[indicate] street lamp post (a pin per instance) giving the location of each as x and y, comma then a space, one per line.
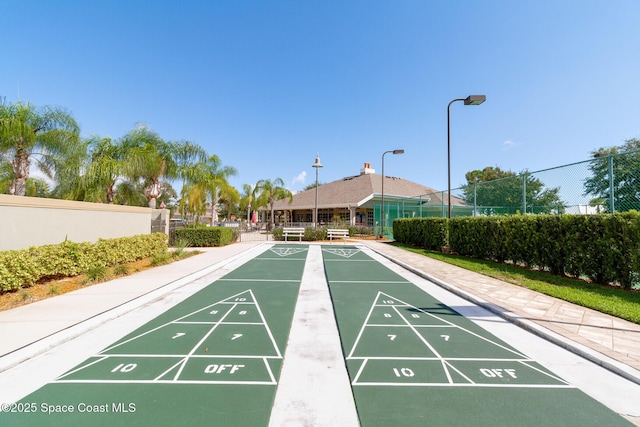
317, 165
382, 220
469, 100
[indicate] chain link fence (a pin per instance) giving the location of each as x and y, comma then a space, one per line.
603, 184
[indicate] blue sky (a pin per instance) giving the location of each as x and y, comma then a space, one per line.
266, 85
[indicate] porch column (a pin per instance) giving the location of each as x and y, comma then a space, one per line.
352, 215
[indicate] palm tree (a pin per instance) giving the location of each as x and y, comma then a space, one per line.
44, 135
153, 161
230, 197
271, 191
131, 193
193, 201
211, 178
6, 176
69, 173
106, 166
246, 199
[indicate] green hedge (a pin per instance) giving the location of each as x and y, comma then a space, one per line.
604, 248
205, 236
23, 268
428, 233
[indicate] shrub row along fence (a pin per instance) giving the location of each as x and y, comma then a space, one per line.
23, 268
603, 248
203, 236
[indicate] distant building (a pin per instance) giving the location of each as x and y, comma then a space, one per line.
356, 200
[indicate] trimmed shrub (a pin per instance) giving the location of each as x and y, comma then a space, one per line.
429, 233
25, 267
605, 248
18, 269
312, 234
205, 236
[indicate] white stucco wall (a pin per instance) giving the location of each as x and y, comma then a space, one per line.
35, 221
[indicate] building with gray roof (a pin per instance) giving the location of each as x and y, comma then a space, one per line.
356, 200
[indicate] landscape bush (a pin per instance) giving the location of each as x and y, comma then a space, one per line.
203, 236
428, 233
603, 248
23, 268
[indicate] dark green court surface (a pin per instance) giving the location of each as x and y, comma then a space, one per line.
413, 361
213, 359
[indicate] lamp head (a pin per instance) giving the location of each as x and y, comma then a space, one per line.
317, 164
475, 99
398, 151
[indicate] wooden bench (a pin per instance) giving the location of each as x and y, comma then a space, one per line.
337, 232
293, 231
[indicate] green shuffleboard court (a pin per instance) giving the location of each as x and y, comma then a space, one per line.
413, 361
213, 359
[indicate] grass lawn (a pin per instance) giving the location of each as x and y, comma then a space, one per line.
606, 299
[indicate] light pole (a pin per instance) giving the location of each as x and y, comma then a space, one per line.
382, 221
469, 100
317, 165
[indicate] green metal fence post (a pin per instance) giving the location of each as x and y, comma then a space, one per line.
612, 205
524, 193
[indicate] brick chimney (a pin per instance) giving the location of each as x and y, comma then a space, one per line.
367, 169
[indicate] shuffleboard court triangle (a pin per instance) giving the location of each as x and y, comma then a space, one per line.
283, 252
157, 355
387, 300
343, 252
212, 314
385, 311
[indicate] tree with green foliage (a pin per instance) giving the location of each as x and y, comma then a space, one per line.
106, 166
210, 178
154, 162
29, 134
228, 199
37, 187
246, 199
615, 170
496, 191
269, 192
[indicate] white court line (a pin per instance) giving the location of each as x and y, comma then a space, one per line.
364, 325
166, 382
434, 359
193, 350
382, 325
186, 357
169, 323
260, 280
446, 362
464, 385
551, 375
357, 377
83, 367
194, 356
456, 326
450, 366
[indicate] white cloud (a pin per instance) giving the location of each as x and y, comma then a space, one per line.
508, 144
300, 179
